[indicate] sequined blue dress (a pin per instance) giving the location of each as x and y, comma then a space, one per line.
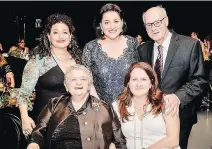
109, 73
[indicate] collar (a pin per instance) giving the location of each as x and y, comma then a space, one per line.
91, 101
166, 43
83, 108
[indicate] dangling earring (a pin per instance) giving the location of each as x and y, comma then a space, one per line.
69, 44
102, 33
121, 30
50, 46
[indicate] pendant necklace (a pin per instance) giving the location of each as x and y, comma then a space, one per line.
58, 59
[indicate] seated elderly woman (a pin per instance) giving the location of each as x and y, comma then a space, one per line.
77, 120
140, 108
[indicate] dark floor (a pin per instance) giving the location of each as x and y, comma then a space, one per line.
201, 135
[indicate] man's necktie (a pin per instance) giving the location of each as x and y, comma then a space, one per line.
159, 63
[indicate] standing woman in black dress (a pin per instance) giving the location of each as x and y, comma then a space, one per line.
45, 70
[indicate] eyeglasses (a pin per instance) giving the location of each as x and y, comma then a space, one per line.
22, 42
156, 24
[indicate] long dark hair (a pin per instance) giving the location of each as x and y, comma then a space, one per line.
43, 49
155, 96
106, 8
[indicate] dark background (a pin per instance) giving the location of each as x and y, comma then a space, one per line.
184, 17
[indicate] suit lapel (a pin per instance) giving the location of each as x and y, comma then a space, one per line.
171, 52
150, 52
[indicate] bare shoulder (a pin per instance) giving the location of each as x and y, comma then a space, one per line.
13, 48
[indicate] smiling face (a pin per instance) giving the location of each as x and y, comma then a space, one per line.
155, 15
194, 35
77, 82
111, 24
59, 36
139, 83
21, 43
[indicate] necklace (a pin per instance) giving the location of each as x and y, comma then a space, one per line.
147, 109
141, 131
139, 107
59, 59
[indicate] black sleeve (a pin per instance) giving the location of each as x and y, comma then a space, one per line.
7, 68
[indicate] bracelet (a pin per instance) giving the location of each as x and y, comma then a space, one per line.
7, 68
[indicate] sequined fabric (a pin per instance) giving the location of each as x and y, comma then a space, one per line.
109, 73
67, 135
34, 69
7, 68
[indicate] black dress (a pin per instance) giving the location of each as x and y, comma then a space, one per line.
67, 135
46, 77
49, 85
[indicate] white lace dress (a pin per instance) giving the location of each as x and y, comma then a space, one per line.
142, 133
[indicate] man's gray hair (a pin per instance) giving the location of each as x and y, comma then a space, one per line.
163, 10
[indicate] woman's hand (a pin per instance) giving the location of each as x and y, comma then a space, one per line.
112, 146
33, 146
10, 79
27, 125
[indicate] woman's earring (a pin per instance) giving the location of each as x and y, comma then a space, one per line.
102, 33
121, 30
69, 44
50, 44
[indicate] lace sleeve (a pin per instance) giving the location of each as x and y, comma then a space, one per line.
86, 56
135, 47
29, 80
7, 68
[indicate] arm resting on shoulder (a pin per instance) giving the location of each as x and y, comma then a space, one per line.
196, 77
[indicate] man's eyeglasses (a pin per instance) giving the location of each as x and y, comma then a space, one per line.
156, 24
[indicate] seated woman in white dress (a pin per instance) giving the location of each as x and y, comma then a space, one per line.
140, 108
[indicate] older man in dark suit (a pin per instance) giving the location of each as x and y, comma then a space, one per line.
178, 62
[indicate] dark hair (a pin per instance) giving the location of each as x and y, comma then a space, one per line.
19, 39
43, 49
155, 96
196, 33
209, 38
106, 8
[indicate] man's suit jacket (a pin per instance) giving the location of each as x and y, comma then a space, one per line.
183, 72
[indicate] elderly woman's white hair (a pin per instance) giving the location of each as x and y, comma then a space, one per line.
78, 67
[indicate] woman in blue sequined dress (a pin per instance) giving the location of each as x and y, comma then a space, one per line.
110, 55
